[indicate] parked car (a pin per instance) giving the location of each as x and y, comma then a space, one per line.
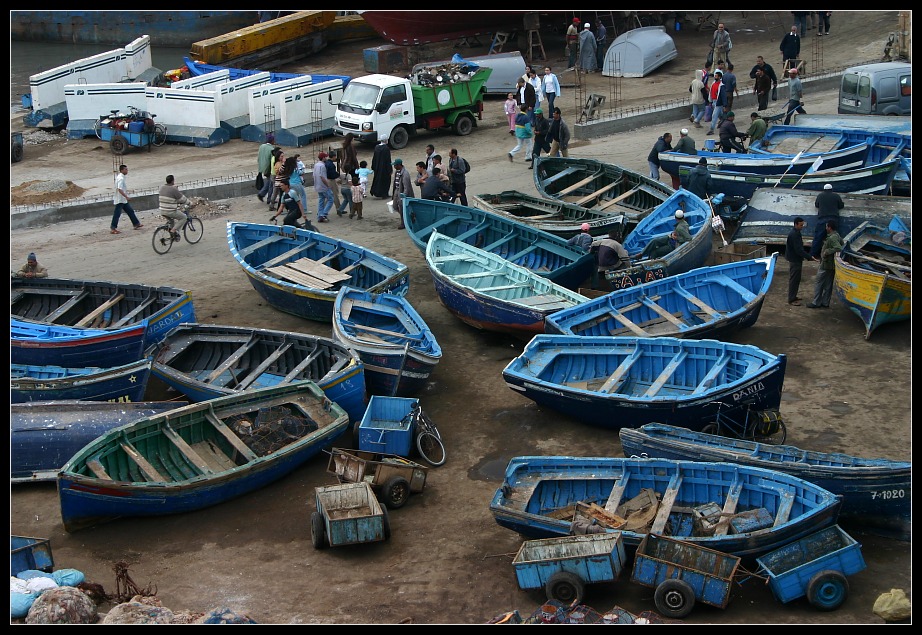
877, 89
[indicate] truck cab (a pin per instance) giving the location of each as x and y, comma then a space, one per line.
375, 107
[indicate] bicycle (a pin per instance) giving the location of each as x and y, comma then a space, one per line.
761, 426
164, 237
429, 442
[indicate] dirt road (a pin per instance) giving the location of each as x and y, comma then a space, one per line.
447, 561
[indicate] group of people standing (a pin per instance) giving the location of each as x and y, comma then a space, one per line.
585, 48
533, 131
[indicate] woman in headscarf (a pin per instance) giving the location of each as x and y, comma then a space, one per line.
382, 169
349, 158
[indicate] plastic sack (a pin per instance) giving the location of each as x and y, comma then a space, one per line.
471, 66
68, 577
39, 584
20, 603
893, 606
17, 585
28, 574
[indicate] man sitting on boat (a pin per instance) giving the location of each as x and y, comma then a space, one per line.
662, 245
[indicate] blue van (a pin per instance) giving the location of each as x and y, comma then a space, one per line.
877, 89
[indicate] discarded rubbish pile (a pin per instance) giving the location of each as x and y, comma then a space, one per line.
443, 74
555, 612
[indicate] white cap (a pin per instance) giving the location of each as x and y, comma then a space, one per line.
683, 131
679, 214
586, 25
828, 186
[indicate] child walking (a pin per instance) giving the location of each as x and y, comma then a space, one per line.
358, 195
363, 173
511, 109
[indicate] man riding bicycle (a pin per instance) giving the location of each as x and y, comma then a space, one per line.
170, 201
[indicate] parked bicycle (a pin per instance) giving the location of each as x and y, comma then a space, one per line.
428, 440
745, 422
192, 228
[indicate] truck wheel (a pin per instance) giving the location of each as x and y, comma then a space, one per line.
399, 138
118, 144
463, 125
674, 598
317, 531
565, 587
16, 154
396, 492
827, 590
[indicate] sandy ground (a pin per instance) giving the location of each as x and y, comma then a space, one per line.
447, 561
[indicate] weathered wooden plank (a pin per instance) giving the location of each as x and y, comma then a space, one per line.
733, 496
259, 370
186, 449
664, 376
698, 302
98, 470
146, 468
288, 254
597, 193
228, 434
231, 360
662, 312
665, 508
576, 185
616, 376
67, 306
102, 308
274, 238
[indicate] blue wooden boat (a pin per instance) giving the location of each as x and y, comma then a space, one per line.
876, 493
874, 274
300, 272
45, 434
542, 253
200, 455
489, 292
100, 305
204, 361
603, 187
550, 215
197, 68
391, 338
626, 382
48, 383
770, 214
844, 151
868, 179
655, 228
708, 302
36, 344
759, 509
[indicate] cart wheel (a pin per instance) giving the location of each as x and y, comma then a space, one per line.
118, 144
463, 126
317, 531
777, 438
710, 428
827, 590
355, 434
386, 521
674, 598
396, 492
565, 587
159, 135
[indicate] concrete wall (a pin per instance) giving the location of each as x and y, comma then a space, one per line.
47, 87
90, 101
234, 96
301, 107
266, 101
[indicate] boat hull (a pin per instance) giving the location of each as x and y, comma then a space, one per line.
391, 338
488, 292
550, 215
876, 493
409, 28
198, 361
733, 294
874, 179
197, 68
536, 486
44, 435
87, 499
300, 272
847, 158
101, 305
42, 345
878, 291
770, 214
544, 254
602, 187
580, 378
122, 383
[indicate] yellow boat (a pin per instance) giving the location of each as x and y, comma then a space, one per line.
874, 274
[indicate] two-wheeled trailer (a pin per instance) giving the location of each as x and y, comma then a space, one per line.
564, 566
815, 566
347, 514
392, 477
136, 129
682, 573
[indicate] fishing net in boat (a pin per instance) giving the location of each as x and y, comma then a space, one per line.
271, 429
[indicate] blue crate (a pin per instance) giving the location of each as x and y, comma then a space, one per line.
385, 426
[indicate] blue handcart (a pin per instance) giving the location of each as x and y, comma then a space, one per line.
564, 566
815, 566
683, 573
136, 129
